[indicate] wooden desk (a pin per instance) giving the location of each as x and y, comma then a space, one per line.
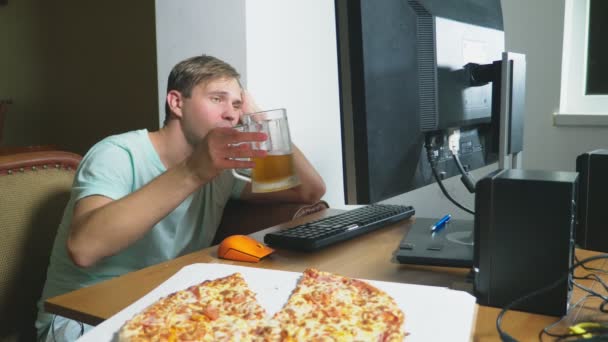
366, 257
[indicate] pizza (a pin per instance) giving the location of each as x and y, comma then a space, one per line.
330, 307
224, 309
323, 307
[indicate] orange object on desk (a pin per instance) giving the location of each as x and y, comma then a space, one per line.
243, 248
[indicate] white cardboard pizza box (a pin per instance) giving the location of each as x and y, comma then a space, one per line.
431, 313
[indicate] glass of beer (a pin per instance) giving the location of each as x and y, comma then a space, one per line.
276, 171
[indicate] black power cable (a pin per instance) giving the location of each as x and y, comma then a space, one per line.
598, 270
466, 178
508, 338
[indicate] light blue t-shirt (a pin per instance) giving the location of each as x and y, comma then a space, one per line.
114, 168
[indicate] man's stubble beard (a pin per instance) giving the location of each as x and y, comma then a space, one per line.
192, 137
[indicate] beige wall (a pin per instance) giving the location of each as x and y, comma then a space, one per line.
536, 28
77, 71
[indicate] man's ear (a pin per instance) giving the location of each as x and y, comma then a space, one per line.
174, 100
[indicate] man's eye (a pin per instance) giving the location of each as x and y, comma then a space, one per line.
216, 99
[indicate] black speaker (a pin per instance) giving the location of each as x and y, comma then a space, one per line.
592, 214
524, 238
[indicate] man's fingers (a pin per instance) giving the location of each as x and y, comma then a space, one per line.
227, 148
240, 164
244, 151
229, 135
249, 105
240, 137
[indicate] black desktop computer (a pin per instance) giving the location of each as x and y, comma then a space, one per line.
524, 238
591, 230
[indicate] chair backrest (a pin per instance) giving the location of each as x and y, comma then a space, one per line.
34, 190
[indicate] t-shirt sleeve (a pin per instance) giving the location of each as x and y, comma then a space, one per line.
106, 170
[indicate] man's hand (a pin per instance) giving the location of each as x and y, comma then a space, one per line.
218, 150
249, 105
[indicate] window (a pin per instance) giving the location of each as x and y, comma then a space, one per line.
584, 88
597, 50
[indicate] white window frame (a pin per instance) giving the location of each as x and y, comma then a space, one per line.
576, 108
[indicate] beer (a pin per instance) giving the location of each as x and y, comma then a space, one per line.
276, 171
273, 168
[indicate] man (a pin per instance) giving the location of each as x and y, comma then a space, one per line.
140, 198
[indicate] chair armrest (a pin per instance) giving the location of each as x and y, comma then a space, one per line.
244, 218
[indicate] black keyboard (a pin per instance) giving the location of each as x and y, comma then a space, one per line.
317, 234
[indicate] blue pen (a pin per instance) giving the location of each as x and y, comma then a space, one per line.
441, 222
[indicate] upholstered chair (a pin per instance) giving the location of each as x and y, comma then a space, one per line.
34, 189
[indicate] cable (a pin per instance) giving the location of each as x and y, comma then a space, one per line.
595, 277
550, 326
593, 294
599, 338
427, 146
466, 178
599, 270
586, 331
506, 337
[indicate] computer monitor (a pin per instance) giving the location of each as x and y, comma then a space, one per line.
407, 73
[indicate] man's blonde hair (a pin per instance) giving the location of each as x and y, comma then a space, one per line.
193, 71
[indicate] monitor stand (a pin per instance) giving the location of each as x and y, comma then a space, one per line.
451, 247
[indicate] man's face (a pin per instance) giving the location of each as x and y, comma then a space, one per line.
215, 104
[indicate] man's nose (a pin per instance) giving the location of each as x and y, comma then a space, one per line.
230, 114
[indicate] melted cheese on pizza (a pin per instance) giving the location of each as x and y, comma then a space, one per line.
218, 310
323, 307
329, 307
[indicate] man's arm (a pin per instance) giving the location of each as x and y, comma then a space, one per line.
102, 227
310, 190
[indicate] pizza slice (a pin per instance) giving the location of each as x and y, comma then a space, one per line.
326, 306
223, 309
